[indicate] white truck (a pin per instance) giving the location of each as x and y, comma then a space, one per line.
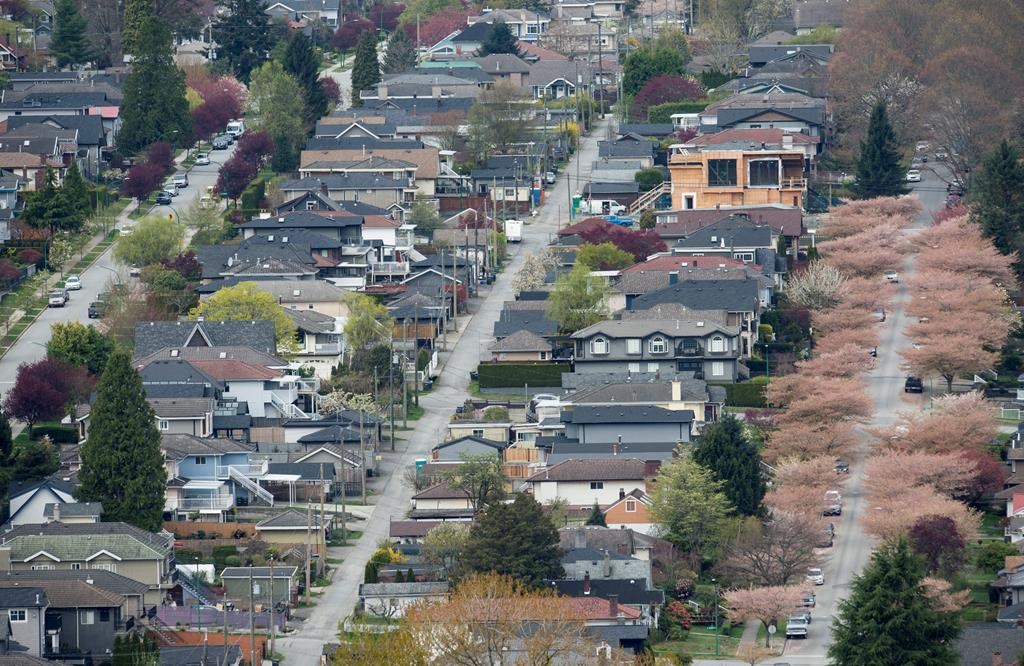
602, 207
514, 231
235, 128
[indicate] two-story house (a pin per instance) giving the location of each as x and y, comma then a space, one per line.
24, 621
209, 476
117, 547
736, 176
708, 349
601, 424
582, 483
705, 401
525, 25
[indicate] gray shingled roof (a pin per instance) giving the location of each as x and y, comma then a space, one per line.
735, 230
403, 589
68, 593
170, 408
729, 295
605, 469
24, 597
534, 321
78, 541
625, 414
979, 640
106, 580
290, 519
75, 510
522, 341
152, 336
180, 445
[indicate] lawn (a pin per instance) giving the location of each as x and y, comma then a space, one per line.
700, 641
415, 412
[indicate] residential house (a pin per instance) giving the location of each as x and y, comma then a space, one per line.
601, 424
24, 627
442, 497
292, 528
74, 512
652, 130
475, 427
390, 600
429, 84
631, 151
201, 655
308, 296
785, 220
457, 450
790, 111
733, 237
706, 401
305, 11
760, 54
561, 449
116, 547
621, 541
602, 564
764, 138
505, 68
209, 476
466, 41
741, 299
12, 58
132, 591
90, 137
386, 191
410, 531
277, 585
708, 349
632, 510
624, 193
632, 593
536, 322
431, 172
28, 499
581, 483
1010, 582
988, 643
614, 171
521, 347
809, 14
582, 41
555, 79
736, 177
155, 336
320, 340
526, 25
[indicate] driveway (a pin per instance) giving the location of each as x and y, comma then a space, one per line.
394, 500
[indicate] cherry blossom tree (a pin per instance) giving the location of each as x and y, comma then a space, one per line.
950, 357
940, 591
890, 473
892, 517
956, 423
810, 440
764, 604
817, 287
862, 338
846, 361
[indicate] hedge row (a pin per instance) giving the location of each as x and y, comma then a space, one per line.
57, 434
750, 394
518, 375
662, 113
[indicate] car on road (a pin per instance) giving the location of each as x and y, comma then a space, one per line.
941, 155
163, 198
809, 600
913, 176
842, 467
892, 276
180, 180
828, 536
97, 309
550, 177
221, 143
58, 298
816, 576
803, 613
73, 282
134, 271
921, 145
913, 385
796, 627
202, 159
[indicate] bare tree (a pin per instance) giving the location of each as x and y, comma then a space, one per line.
779, 553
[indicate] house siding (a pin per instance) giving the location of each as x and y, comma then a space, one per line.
579, 493
29, 635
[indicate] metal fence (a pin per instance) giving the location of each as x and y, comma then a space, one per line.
1010, 414
173, 616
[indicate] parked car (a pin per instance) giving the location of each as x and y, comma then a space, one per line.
803, 613
180, 180
796, 627
134, 271
809, 600
828, 536
221, 143
816, 576
921, 145
73, 282
202, 159
892, 276
97, 309
58, 298
913, 385
163, 198
842, 467
550, 177
941, 155
833, 503
913, 176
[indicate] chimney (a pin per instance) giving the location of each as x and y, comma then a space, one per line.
616, 446
586, 583
56, 512
997, 659
651, 468
613, 605
323, 189
677, 391
608, 562
382, 91
435, 92
579, 538
89, 581
673, 277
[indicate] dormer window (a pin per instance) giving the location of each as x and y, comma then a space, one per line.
599, 346
718, 344
658, 345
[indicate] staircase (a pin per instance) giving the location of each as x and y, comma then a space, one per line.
157, 626
287, 409
196, 589
256, 489
649, 198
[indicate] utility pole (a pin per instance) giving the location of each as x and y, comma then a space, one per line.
444, 325
309, 546
345, 472
252, 625
391, 388
321, 539
600, 69
273, 628
224, 617
362, 462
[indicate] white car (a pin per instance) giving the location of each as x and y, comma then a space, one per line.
892, 276
202, 159
73, 283
815, 576
941, 155
913, 176
922, 146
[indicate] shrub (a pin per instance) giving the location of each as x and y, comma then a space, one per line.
233, 561
370, 575
496, 415
8, 271
30, 256
518, 375
57, 434
662, 113
751, 394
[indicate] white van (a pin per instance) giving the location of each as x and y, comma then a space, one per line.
235, 128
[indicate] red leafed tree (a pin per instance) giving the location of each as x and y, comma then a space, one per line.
185, 264
29, 256
440, 25
214, 113
665, 88
8, 271
255, 148
142, 180
765, 604
679, 614
347, 35
640, 244
936, 539
988, 479
235, 175
43, 390
331, 88
160, 155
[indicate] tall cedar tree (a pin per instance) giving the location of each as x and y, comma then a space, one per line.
135, 14
998, 195
6, 439
122, 465
48, 207
725, 450
76, 190
154, 106
400, 55
879, 172
69, 43
303, 63
499, 39
366, 68
244, 37
889, 620
517, 539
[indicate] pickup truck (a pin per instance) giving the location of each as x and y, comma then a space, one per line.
796, 627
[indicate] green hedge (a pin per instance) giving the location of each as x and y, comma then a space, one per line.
518, 375
745, 395
249, 202
662, 113
58, 434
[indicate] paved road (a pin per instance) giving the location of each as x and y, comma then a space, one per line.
339, 599
32, 346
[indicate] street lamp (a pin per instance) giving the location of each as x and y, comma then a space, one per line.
715, 583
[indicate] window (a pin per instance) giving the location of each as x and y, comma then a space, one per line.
200, 460
105, 615
43, 567
510, 193
599, 346
633, 346
75, 566
718, 344
112, 568
18, 615
748, 257
310, 205
597, 485
543, 356
478, 432
763, 173
721, 173
717, 369
630, 506
652, 367
633, 367
88, 617
165, 425
658, 345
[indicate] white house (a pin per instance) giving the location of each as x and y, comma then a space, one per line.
582, 482
389, 600
29, 499
441, 497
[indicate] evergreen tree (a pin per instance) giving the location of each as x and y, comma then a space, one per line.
49, 208
135, 650
122, 465
516, 539
366, 66
596, 516
69, 44
879, 172
244, 37
400, 55
499, 39
135, 14
303, 63
275, 98
889, 620
76, 191
733, 458
154, 106
998, 197
6, 440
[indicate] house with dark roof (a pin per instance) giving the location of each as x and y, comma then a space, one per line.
635, 593
708, 349
622, 541
522, 346
90, 136
154, 336
562, 448
202, 655
28, 499
624, 193
209, 475
556, 79
601, 424
291, 528
641, 151
276, 585
456, 450
582, 482
385, 191
410, 531
604, 564
683, 393
306, 11
23, 622
442, 497
74, 512
990, 644
536, 322
784, 220
337, 225
793, 112
132, 591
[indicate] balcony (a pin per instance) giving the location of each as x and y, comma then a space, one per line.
390, 267
690, 350
327, 348
224, 471
207, 503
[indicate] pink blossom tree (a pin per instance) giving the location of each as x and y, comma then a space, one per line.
764, 604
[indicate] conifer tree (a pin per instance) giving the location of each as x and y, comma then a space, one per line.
879, 172
69, 44
244, 36
516, 539
596, 516
303, 63
888, 619
998, 197
725, 450
400, 55
366, 67
135, 14
76, 191
499, 39
122, 465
